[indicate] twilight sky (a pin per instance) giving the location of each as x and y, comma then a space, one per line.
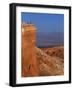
44, 22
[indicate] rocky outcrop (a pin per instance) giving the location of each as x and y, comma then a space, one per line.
55, 51
48, 65
39, 61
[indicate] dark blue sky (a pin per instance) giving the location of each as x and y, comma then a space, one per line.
44, 22
50, 28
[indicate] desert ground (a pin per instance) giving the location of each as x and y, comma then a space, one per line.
50, 61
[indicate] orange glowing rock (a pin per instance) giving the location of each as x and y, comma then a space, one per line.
29, 64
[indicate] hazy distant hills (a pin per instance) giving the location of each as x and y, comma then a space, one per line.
44, 39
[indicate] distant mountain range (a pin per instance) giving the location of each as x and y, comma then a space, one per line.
46, 39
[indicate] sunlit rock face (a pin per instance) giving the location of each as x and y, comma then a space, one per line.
29, 64
38, 61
